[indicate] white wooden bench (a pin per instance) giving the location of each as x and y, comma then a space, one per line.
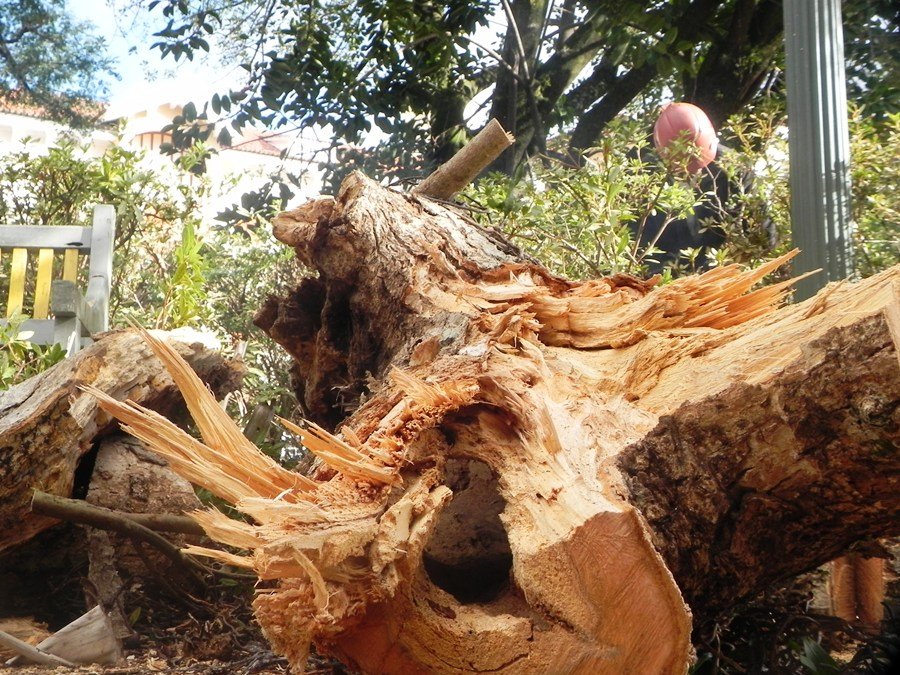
59, 313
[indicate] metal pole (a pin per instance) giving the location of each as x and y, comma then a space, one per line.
819, 141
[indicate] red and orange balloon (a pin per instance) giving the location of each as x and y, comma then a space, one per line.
686, 120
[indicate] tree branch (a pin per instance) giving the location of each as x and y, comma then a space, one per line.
630, 84
731, 70
465, 165
72, 509
81, 512
592, 122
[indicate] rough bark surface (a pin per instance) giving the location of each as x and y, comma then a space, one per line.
127, 477
47, 424
799, 456
541, 476
343, 327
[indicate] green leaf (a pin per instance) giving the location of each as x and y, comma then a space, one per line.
224, 137
816, 660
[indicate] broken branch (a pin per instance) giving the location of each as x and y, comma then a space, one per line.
465, 165
97, 516
34, 654
69, 509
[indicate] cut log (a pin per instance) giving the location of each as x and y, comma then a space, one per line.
541, 476
47, 425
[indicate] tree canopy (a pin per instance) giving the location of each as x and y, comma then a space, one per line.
553, 72
50, 60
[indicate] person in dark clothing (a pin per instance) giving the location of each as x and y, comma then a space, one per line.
702, 229
718, 195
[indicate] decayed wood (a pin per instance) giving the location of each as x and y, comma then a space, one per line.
858, 588
46, 424
612, 453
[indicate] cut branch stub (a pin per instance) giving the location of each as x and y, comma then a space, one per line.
466, 164
545, 432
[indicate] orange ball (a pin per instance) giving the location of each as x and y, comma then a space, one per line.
676, 119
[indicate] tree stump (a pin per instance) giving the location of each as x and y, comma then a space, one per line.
539, 475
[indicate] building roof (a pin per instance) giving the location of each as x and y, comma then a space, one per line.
18, 102
271, 144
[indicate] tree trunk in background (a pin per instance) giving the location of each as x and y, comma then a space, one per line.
553, 476
739, 65
123, 571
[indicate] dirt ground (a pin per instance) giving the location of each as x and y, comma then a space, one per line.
138, 664
215, 636
253, 659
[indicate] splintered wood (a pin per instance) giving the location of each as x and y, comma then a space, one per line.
618, 312
47, 425
292, 537
491, 506
313, 534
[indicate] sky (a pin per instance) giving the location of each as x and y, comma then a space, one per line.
142, 72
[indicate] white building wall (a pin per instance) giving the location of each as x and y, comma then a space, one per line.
22, 132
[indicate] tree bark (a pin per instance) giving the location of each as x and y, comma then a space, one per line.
514, 101
543, 476
47, 425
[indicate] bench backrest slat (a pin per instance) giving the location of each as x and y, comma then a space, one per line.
17, 269
42, 284
70, 264
42, 236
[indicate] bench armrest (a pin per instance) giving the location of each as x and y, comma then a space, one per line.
95, 309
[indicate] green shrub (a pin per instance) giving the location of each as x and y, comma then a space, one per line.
171, 268
19, 358
875, 170
582, 222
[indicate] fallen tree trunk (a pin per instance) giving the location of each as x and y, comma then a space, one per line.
47, 425
542, 476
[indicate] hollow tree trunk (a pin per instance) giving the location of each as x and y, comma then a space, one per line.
47, 425
543, 476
